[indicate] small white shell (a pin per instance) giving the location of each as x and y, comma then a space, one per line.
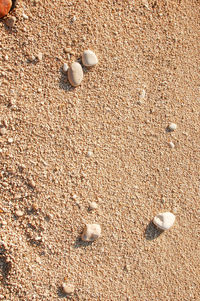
164, 221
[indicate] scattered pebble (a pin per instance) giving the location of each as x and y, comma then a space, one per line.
172, 127
164, 221
19, 213
31, 183
10, 140
6, 57
89, 58
25, 16
3, 131
171, 144
10, 22
89, 153
91, 232
75, 74
65, 67
40, 56
68, 288
12, 102
93, 206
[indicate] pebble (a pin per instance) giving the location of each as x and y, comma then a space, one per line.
164, 221
19, 213
10, 22
93, 206
31, 183
3, 131
91, 232
89, 58
5, 7
65, 67
172, 127
68, 288
89, 153
10, 140
171, 144
40, 56
75, 74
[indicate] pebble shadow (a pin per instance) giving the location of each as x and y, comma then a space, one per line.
79, 243
152, 232
64, 83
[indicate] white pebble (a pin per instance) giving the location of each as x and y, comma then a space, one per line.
3, 131
19, 213
25, 16
171, 144
6, 57
68, 288
172, 127
89, 58
93, 206
91, 232
10, 140
65, 67
164, 221
75, 74
40, 56
89, 153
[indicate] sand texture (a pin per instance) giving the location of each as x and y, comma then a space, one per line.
105, 141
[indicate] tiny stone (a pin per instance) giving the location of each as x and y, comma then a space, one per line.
10, 22
164, 221
34, 207
68, 288
171, 144
91, 232
3, 131
65, 67
25, 16
93, 206
172, 127
19, 213
68, 49
74, 19
6, 57
75, 74
89, 153
39, 90
31, 183
89, 58
40, 56
10, 140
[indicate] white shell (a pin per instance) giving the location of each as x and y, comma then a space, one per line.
91, 232
164, 221
75, 74
89, 58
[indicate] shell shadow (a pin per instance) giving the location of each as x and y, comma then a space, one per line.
79, 243
152, 232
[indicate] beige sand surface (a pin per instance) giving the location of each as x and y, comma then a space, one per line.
149, 48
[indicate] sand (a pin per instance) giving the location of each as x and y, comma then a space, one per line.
147, 78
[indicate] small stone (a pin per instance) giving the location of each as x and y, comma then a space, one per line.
91, 232
172, 127
35, 207
164, 221
171, 144
10, 22
19, 213
25, 16
93, 206
75, 74
3, 131
89, 58
31, 183
65, 67
68, 288
12, 102
89, 154
10, 140
40, 56
6, 57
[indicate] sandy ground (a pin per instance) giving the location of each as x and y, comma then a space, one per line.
147, 77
